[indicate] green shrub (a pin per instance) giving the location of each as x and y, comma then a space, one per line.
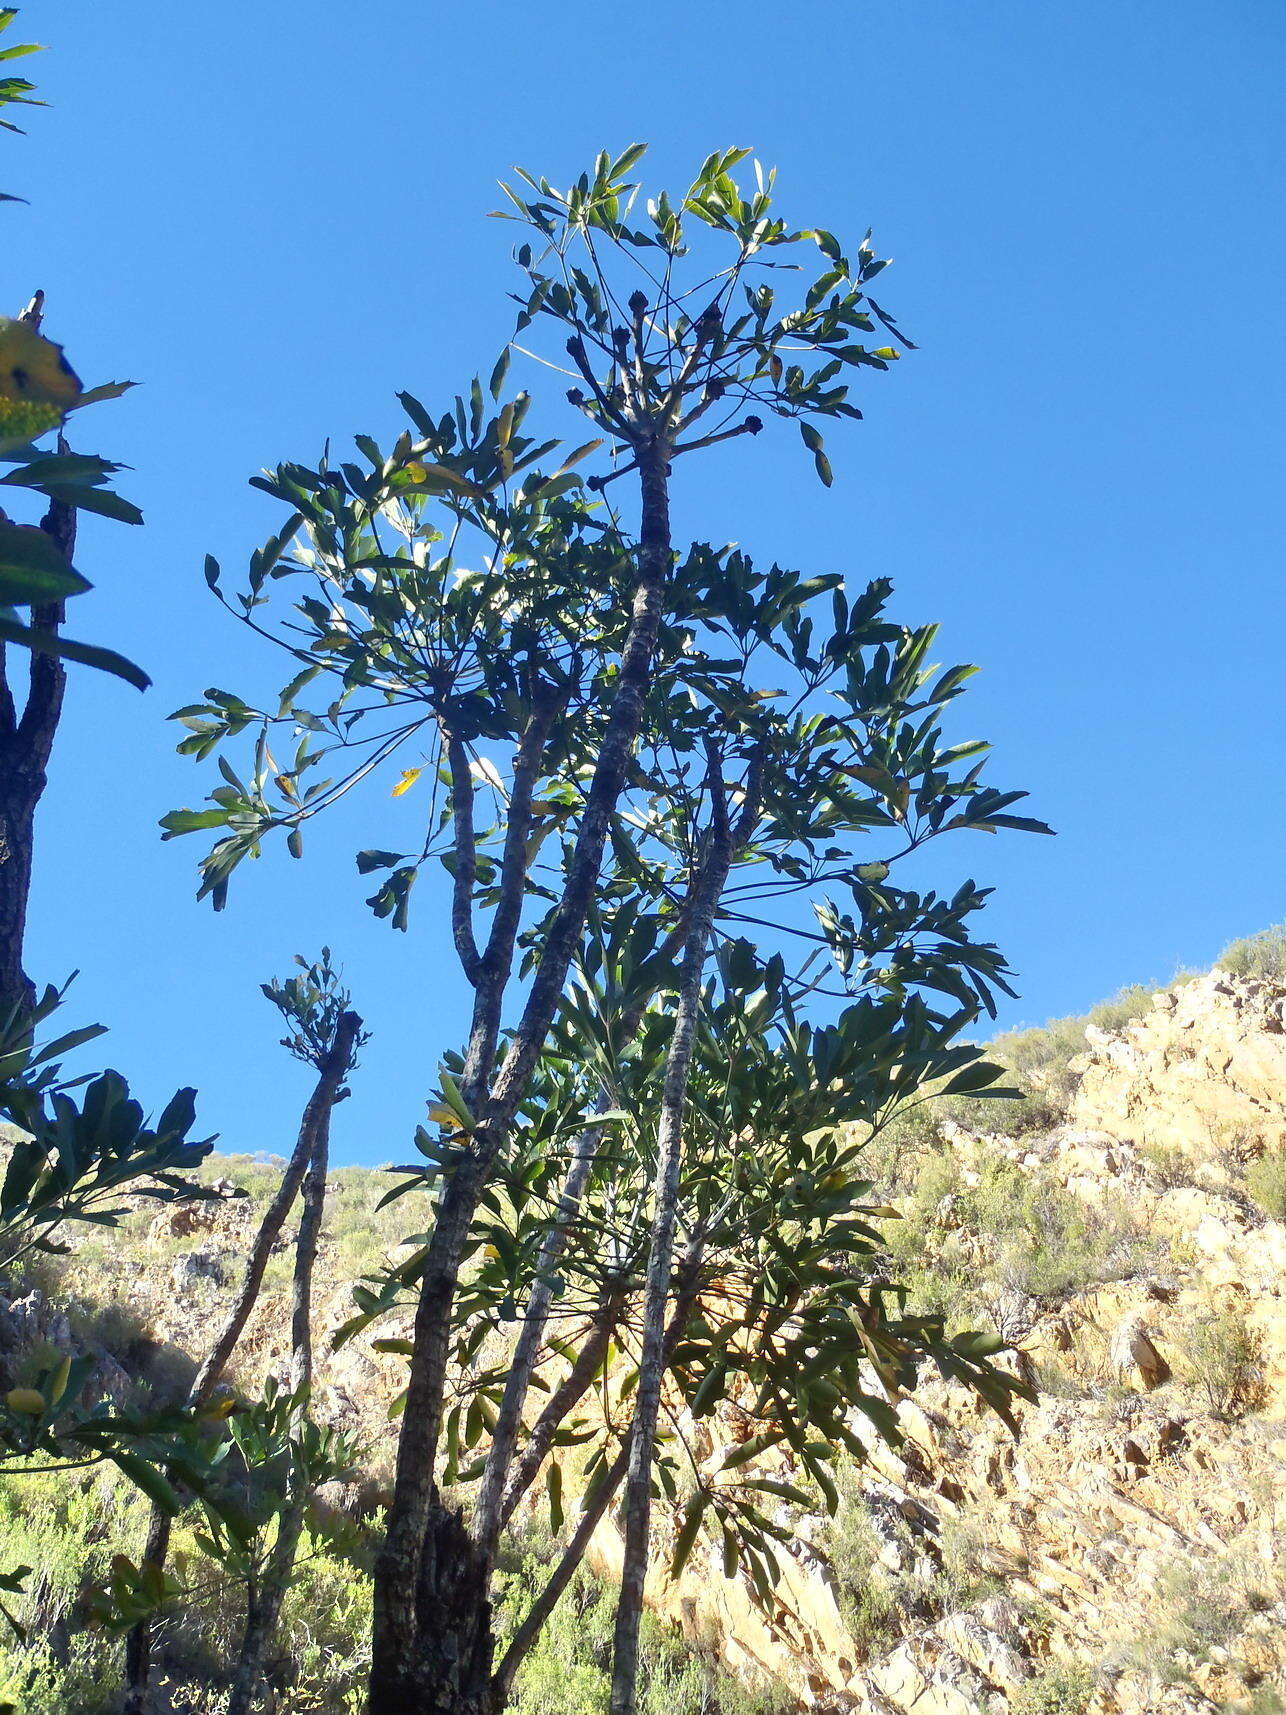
940, 1572
1200, 1608
1262, 955
1222, 1357
1062, 1688
1036, 1062
1266, 1183
1016, 1229
67, 1527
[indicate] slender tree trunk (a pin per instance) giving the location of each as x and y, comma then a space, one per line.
314, 1134
266, 1594
431, 1643
533, 1621
503, 1485
493, 1499
726, 840
638, 1484
26, 741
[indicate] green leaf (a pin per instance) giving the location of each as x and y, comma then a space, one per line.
68, 649
33, 569
154, 1484
693, 1513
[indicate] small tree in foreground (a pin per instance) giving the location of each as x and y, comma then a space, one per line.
325, 1033
474, 620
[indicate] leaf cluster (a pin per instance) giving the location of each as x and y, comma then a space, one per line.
79, 1155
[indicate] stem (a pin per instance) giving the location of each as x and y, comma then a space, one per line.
491, 1512
314, 1132
26, 743
725, 841
590, 1519
565, 1398
266, 1593
397, 1632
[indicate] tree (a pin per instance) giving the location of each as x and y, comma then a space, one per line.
326, 1034
771, 1122
516, 633
38, 392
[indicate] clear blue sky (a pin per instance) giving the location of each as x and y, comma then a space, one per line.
272, 215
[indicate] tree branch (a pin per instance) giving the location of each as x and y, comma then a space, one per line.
466, 859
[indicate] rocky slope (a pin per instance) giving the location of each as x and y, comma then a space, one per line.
1122, 1553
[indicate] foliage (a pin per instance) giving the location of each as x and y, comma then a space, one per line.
312, 1006
71, 1527
466, 614
74, 1160
1201, 1607
1061, 1688
971, 1235
14, 91
790, 1314
39, 390
895, 1573
1261, 956
276, 1458
567, 1673
1222, 1356
1266, 1183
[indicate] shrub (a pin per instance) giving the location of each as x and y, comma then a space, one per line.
1062, 1688
1266, 1183
1036, 1062
1262, 955
1222, 1357
68, 1526
1016, 1228
939, 1569
1200, 1608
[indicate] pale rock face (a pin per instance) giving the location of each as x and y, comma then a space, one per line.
1133, 1356
1208, 1062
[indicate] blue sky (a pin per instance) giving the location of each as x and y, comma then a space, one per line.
272, 215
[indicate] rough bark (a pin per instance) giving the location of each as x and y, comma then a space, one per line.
265, 1595
314, 1134
431, 1642
26, 742
725, 841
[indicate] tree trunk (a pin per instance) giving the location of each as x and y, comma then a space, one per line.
726, 840
638, 1483
26, 742
431, 1644
312, 1143
267, 1593
533, 1621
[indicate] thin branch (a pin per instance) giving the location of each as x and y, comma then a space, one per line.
466, 859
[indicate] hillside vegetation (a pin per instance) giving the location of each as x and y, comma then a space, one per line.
1123, 1552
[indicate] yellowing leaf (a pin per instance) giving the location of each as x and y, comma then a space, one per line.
26, 1400
408, 779
37, 384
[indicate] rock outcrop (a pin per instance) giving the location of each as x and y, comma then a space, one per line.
1204, 1071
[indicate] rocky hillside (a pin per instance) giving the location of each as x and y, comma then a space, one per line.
1123, 1228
